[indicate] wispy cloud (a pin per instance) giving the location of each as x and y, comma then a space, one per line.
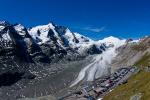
93, 29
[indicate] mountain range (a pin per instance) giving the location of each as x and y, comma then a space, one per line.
49, 59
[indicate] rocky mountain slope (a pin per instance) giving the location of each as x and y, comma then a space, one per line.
131, 53
33, 61
137, 87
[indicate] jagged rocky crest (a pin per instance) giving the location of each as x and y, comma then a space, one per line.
46, 41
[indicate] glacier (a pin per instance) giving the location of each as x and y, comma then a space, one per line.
100, 65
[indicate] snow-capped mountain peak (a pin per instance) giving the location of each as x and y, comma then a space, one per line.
4, 23
41, 32
111, 40
61, 37
20, 29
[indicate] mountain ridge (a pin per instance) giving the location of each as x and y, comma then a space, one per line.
45, 55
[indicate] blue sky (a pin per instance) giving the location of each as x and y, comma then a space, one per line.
94, 18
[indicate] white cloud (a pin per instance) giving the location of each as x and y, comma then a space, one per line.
92, 29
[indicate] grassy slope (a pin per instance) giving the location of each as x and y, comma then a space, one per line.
139, 83
145, 61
